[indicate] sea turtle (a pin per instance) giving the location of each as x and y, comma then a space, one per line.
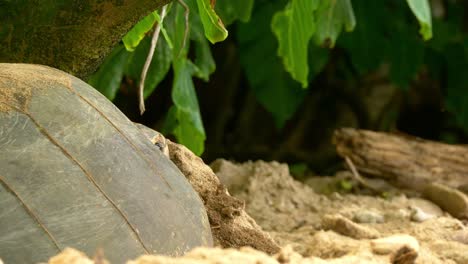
75, 172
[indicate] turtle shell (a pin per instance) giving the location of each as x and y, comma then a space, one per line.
75, 172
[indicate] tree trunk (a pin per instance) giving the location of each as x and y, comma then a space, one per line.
70, 35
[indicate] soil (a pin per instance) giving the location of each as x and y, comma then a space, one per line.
322, 220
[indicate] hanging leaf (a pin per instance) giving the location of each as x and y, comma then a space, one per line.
293, 27
138, 32
214, 27
189, 130
332, 16
107, 79
405, 52
422, 11
175, 25
230, 10
271, 84
204, 62
366, 42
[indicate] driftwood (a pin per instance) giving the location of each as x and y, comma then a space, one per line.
407, 161
438, 171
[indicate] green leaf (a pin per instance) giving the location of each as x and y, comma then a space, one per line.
332, 16
175, 25
404, 49
405, 53
189, 130
138, 32
271, 84
107, 79
230, 10
214, 27
365, 43
293, 27
422, 11
159, 66
205, 64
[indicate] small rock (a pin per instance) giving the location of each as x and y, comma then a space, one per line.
405, 255
344, 226
392, 244
422, 210
451, 200
368, 217
418, 215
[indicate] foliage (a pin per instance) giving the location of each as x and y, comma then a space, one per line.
285, 44
184, 118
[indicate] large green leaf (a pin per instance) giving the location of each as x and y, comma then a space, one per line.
214, 27
332, 16
205, 64
189, 130
293, 27
405, 52
271, 84
107, 79
138, 32
404, 49
175, 25
422, 11
159, 67
230, 10
366, 43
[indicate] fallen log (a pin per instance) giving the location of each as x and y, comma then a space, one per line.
405, 161
438, 171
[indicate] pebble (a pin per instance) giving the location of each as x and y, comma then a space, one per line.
392, 244
368, 217
418, 215
346, 227
451, 200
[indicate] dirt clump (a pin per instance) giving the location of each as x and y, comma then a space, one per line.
230, 225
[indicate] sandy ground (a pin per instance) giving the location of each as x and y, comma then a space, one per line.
324, 220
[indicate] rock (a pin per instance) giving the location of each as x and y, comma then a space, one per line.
344, 226
422, 210
368, 217
392, 244
449, 199
405, 255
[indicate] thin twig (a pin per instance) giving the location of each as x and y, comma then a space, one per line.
358, 177
149, 58
187, 13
